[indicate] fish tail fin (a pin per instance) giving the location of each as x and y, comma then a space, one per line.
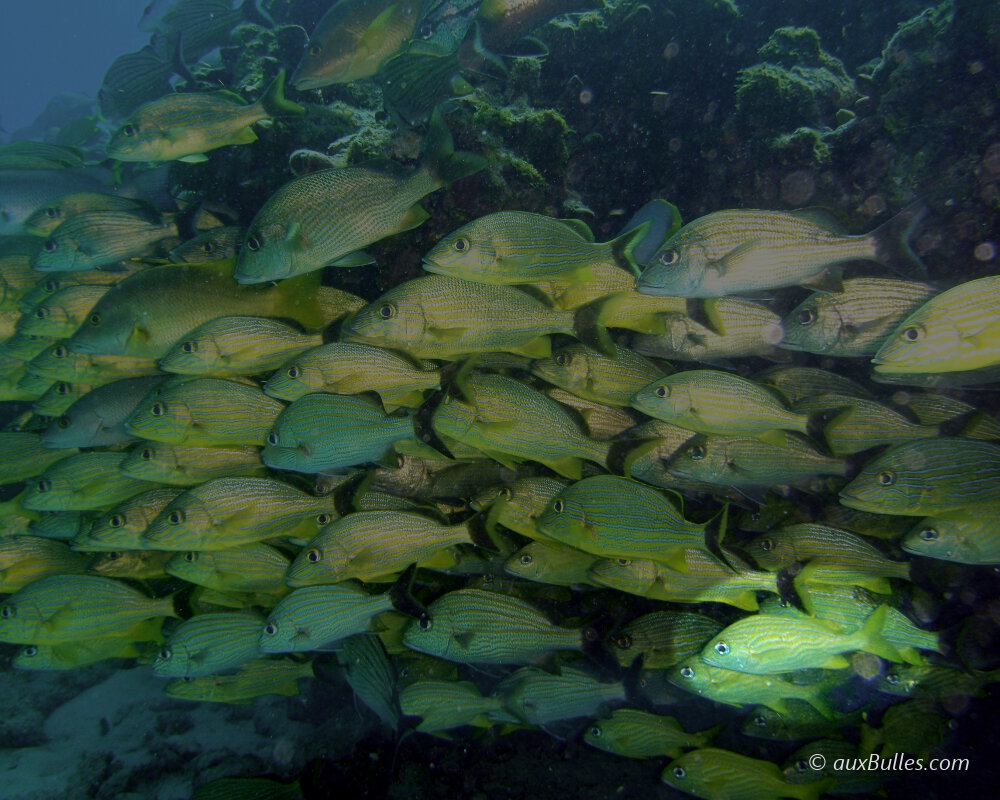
274, 101
813, 790
871, 639
440, 160
715, 532
589, 330
892, 241
665, 221
623, 247
298, 298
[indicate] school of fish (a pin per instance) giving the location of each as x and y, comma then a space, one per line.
564, 460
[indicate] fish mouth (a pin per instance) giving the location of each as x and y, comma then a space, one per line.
304, 83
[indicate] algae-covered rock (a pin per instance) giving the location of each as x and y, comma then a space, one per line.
797, 85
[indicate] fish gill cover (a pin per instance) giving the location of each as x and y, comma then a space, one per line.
568, 398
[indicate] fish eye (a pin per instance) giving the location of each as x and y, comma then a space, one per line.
558, 506
64, 422
801, 765
294, 372
165, 654
31, 651
887, 477
526, 559
62, 388
624, 641
128, 130
562, 359
315, 49
387, 311
662, 391
253, 243
8, 612
191, 557
697, 452
41, 313
595, 732
146, 454
43, 485
190, 347
760, 721
176, 517
756, 516
669, 257
680, 773
95, 319
59, 351
461, 245
912, 333
51, 245
51, 212
272, 439
270, 629
892, 678
687, 672
807, 316
623, 562
324, 519
207, 247
929, 534
314, 556
766, 545
51, 286
158, 409
116, 520
722, 649
425, 623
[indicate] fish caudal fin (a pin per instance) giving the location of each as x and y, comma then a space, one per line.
440, 160
892, 241
274, 101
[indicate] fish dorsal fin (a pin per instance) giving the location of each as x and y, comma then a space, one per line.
580, 228
822, 217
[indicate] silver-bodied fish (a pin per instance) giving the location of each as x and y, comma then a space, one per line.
749, 250
327, 217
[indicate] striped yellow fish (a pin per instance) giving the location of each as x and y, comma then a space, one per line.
327, 217
183, 465
209, 643
61, 313
46, 219
443, 705
314, 616
472, 626
345, 368
711, 401
633, 733
58, 363
216, 244
928, 476
254, 567
122, 528
512, 247
956, 331
748, 250
510, 422
441, 317
83, 482
854, 321
252, 680
184, 126
592, 375
368, 545
22, 455
62, 608
663, 638
551, 563
205, 412
228, 512
236, 346
24, 559
965, 537
539, 698
724, 775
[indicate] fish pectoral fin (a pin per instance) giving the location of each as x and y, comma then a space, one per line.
836, 662
244, 136
464, 640
447, 334
371, 40
194, 158
413, 218
829, 280
359, 258
540, 347
570, 467
732, 259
